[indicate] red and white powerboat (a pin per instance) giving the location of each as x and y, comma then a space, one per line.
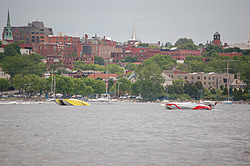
185, 105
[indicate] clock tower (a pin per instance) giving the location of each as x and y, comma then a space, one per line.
216, 40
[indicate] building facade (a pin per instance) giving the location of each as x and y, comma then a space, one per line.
34, 32
208, 80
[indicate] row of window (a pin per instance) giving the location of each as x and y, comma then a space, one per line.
68, 38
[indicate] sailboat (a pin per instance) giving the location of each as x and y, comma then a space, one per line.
227, 101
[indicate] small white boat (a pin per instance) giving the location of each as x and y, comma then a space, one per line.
227, 102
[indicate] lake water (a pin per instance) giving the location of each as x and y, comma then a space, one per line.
123, 134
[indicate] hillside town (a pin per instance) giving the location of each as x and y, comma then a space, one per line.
179, 66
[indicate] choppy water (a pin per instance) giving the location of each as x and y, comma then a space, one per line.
123, 134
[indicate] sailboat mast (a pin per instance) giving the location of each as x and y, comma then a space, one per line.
227, 78
52, 82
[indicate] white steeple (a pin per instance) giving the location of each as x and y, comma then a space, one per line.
133, 33
248, 38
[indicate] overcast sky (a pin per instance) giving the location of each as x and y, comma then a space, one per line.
155, 20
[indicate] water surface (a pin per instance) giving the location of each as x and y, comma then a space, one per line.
123, 133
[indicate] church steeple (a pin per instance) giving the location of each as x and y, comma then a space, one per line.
8, 32
133, 33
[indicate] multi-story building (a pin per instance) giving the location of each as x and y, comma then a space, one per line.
208, 80
145, 53
35, 32
97, 47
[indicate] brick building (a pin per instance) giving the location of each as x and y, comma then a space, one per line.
208, 80
145, 53
99, 47
34, 32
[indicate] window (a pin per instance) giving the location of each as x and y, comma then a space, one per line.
209, 78
192, 77
205, 83
185, 77
198, 77
205, 78
213, 78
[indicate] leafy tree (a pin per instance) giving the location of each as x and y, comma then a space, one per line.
166, 62
79, 86
111, 83
79, 64
4, 84
21, 41
1, 44
130, 66
20, 82
131, 59
225, 91
188, 46
152, 47
167, 44
194, 93
99, 60
11, 50
135, 88
125, 87
183, 41
149, 79
73, 54
143, 45
99, 87
64, 85
115, 69
22, 64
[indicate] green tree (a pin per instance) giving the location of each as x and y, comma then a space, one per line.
130, 66
73, 54
115, 69
131, 59
10, 50
135, 88
22, 64
20, 82
111, 83
79, 86
166, 62
188, 46
99, 87
183, 41
125, 86
64, 85
149, 79
99, 60
4, 84
79, 65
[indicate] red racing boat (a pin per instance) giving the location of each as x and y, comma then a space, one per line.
185, 105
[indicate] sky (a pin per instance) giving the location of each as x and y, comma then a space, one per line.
155, 20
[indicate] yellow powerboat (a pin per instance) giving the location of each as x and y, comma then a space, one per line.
71, 102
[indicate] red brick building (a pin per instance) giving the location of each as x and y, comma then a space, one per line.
145, 53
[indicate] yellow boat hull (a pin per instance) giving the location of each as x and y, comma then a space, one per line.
71, 102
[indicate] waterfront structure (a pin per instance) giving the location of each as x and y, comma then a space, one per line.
209, 80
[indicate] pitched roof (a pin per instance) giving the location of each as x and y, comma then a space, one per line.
103, 76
